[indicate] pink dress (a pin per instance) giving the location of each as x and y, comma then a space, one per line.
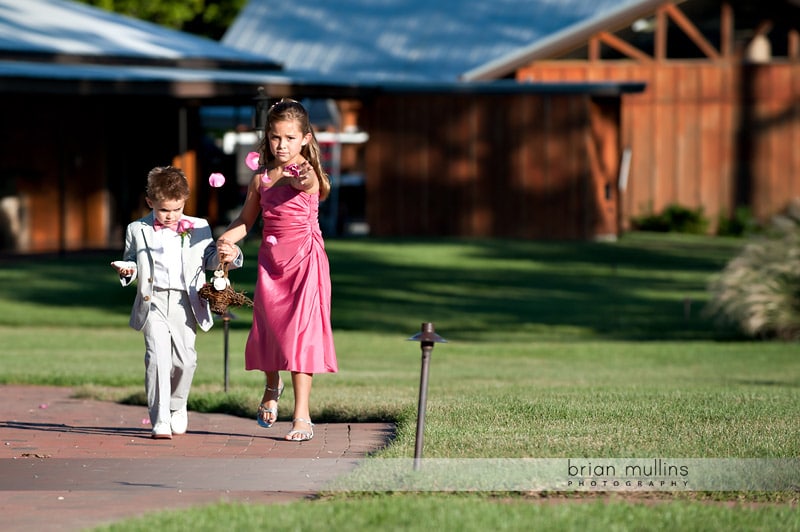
292, 302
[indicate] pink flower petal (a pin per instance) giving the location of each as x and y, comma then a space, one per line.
272, 240
252, 160
265, 179
216, 180
184, 226
43, 406
292, 169
145, 421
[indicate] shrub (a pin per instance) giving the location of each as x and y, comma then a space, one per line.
741, 223
674, 218
759, 290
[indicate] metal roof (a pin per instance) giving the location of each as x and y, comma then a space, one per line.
65, 28
402, 40
565, 39
65, 47
42, 52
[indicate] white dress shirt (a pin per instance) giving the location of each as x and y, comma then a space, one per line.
168, 263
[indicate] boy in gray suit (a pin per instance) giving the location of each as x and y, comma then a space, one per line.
169, 252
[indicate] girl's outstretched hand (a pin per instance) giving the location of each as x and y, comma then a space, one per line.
302, 175
226, 250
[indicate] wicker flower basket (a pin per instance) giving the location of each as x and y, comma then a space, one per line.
221, 297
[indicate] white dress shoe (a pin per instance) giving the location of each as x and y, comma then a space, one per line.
161, 431
179, 421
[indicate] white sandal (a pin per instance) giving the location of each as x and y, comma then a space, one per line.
264, 410
305, 435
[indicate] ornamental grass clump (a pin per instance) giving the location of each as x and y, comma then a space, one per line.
759, 290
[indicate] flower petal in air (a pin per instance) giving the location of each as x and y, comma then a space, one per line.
252, 160
216, 180
265, 180
271, 240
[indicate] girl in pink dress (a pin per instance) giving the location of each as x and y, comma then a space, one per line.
291, 312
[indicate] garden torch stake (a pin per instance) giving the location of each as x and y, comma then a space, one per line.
226, 320
226, 325
427, 337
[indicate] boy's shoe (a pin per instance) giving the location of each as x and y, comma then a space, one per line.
179, 421
162, 431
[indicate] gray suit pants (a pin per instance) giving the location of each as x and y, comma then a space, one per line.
170, 357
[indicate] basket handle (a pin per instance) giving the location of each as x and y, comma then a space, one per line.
223, 267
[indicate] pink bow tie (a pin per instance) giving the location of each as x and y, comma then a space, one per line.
158, 226
182, 226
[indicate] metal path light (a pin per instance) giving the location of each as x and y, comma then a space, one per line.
427, 337
226, 320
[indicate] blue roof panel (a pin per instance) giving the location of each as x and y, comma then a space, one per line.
61, 27
400, 40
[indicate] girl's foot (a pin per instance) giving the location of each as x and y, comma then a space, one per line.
302, 430
268, 409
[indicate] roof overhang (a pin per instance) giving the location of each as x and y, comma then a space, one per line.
183, 83
138, 80
508, 86
565, 40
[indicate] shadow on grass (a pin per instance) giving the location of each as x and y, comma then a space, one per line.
642, 287
641, 290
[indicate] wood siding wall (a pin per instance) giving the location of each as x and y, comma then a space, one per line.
716, 135
76, 168
524, 166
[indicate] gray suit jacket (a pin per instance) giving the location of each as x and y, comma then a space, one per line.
199, 253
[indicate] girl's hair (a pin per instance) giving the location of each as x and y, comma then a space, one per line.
292, 110
166, 183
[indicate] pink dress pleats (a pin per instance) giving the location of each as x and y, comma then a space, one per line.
292, 302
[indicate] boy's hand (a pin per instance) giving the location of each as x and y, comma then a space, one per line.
124, 268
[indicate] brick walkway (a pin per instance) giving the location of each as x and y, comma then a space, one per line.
68, 464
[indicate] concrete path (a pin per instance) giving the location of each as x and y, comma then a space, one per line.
69, 464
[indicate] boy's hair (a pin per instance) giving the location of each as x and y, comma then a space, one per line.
167, 183
287, 110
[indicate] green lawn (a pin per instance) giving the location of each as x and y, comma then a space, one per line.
555, 349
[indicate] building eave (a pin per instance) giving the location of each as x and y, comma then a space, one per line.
563, 41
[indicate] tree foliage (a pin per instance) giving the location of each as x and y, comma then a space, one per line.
209, 18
